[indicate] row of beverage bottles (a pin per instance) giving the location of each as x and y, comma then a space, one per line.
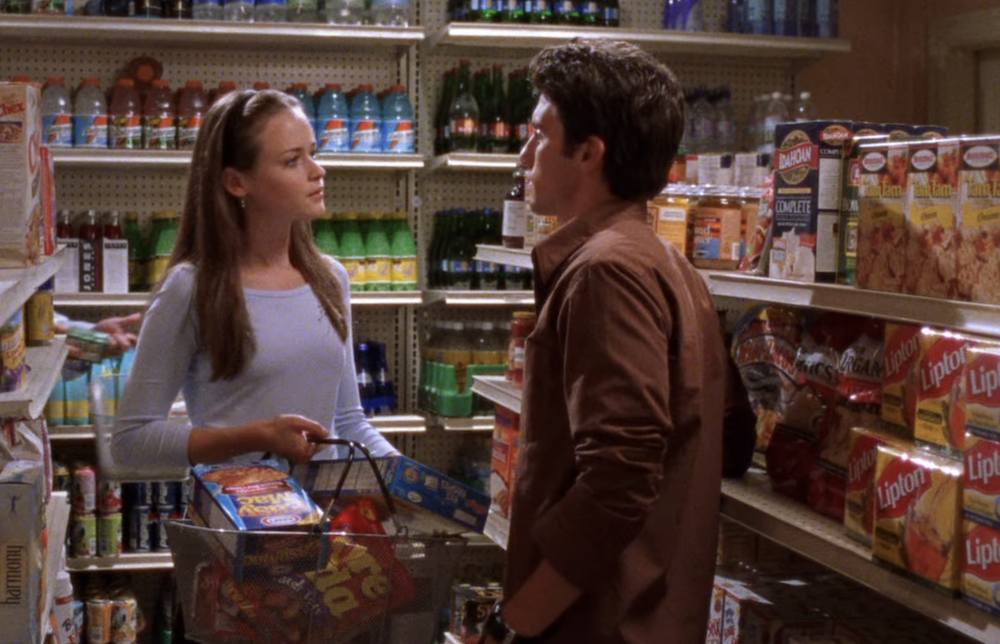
711, 126
377, 391
802, 18
359, 121
376, 248
395, 13
452, 262
476, 113
590, 13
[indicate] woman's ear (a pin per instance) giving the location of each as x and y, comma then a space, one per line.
234, 182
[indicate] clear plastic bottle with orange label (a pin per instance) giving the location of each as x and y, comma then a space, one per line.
125, 113
159, 117
191, 106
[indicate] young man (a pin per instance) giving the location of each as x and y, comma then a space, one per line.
616, 504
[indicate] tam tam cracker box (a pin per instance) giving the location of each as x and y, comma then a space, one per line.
917, 526
978, 269
901, 353
981, 483
882, 240
981, 567
939, 387
980, 402
859, 506
22, 225
932, 196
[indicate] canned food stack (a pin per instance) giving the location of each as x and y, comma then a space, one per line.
148, 505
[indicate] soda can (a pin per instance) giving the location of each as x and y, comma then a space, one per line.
61, 479
83, 493
109, 535
157, 533
109, 497
124, 620
79, 611
139, 528
99, 621
84, 535
141, 493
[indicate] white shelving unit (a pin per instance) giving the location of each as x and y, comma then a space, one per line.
499, 390
18, 284
474, 161
480, 298
500, 255
139, 300
125, 562
141, 160
44, 366
474, 424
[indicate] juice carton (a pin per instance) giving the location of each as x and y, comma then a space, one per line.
978, 269
22, 223
882, 241
932, 195
917, 507
899, 391
981, 567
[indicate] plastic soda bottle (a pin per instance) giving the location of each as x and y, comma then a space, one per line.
269, 11
238, 10
301, 92
159, 118
398, 133
378, 253
191, 106
126, 116
57, 114
302, 10
326, 236
391, 13
352, 251
803, 108
404, 254
344, 12
90, 115
206, 9
365, 122
332, 119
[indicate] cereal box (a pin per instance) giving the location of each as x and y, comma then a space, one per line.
22, 584
859, 505
981, 482
981, 567
980, 402
899, 392
939, 386
503, 459
978, 271
882, 242
426, 501
21, 216
932, 196
808, 167
917, 508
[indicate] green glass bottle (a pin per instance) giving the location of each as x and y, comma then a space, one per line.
137, 253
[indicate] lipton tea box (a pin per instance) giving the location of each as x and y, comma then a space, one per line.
980, 402
901, 354
939, 383
981, 567
917, 501
932, 247
978, 270
882, 241
22, 228
859, 502
981, 483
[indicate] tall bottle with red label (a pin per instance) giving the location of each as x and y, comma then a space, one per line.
125, 113
159, 118
91, 266
191, 105
463, 115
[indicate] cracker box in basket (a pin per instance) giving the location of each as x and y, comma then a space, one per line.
426, 501
21, 216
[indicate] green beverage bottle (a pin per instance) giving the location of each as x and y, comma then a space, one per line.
378, 253
404, 254
352, 252
137, 253
165, 224
325, 235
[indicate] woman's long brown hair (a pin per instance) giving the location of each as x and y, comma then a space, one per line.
212, 232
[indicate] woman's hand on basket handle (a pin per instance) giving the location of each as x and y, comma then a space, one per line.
290, 436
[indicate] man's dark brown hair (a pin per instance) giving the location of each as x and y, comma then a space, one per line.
622, 95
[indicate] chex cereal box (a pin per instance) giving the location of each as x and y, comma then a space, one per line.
981, 483
808, 165
979, 403
917, 508
978, 270
21, 214
901, 353
22, 551
425, 500
932, 190
981, 567
939, 385
859, 508
882, 241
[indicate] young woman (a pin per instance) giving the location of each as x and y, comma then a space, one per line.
250, 322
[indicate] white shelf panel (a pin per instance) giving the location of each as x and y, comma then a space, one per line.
203, 34
181, 159
18, 284
964, 316
399, 424
67, 433
474, 424
500, 255
128, 561
751, 503
474, 162
45, 364
480, 298
386, 298
499, 390
120, 300
497, 528
519, 36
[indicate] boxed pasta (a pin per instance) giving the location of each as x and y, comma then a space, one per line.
932, 195
978, 269
939, 384
917, 514
882, 241
21, 212
899, 388
980, 403
981, 567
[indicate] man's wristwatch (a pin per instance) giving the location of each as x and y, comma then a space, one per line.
498, 629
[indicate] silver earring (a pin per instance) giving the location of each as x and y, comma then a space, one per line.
243, 204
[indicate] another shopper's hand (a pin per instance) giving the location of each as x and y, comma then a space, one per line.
122, 332
291, 436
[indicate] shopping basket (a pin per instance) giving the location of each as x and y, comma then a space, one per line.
330, 587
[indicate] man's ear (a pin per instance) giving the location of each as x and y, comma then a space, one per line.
592, 153
234, 182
